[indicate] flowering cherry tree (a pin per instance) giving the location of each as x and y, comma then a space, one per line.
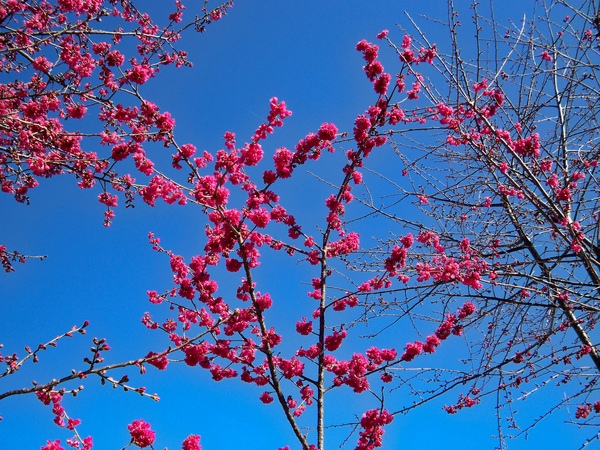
481, 228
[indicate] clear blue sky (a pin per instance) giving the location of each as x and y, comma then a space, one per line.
301, 52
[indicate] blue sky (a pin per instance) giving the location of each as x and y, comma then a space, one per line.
301, 52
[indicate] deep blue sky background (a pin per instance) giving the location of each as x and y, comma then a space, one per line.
301, 52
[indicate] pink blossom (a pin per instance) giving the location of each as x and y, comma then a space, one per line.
140, 73
413, 94
529, 146
396, 260
52, 445
107, 199
427, 55
583, 411
396, 116
412, 350
160, 363
361, 125
263, 302
76, 111
307, 393
143, 164
407, 56
252, 154
290, 368
271, 338
379, 356
382, 34
195, 354
327, 132
42, 64
192, 442
381, 84
266, 398
176, 16
431, 343
373, 70
260, 217
480, 85
386, 377
141, 434
334, 341
369, 50
354, 371
164, 122
466, 310
372, 422
304, 328
348, 244
283, 159
115, 58
445, 328
232, 264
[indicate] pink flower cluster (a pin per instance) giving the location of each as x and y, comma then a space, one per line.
372, 423
445, 329
397, 258
38, 106
52, 445
192, 442
444, 269
354, 372
55, 398
6, 258
141, 434
374, 69
310, 147
463, 402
